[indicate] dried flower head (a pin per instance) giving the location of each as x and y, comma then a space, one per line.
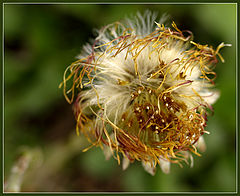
144, 92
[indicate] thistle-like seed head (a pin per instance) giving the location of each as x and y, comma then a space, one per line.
144, 91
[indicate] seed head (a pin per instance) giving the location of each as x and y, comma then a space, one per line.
144, 92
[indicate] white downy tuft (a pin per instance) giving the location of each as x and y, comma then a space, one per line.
145, 89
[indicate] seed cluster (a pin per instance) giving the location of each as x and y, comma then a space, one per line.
160, 121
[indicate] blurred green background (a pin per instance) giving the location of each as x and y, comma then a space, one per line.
40, 41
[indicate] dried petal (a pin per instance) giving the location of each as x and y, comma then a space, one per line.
125, 163
107, 152
149, 167
165, 165
201, 145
